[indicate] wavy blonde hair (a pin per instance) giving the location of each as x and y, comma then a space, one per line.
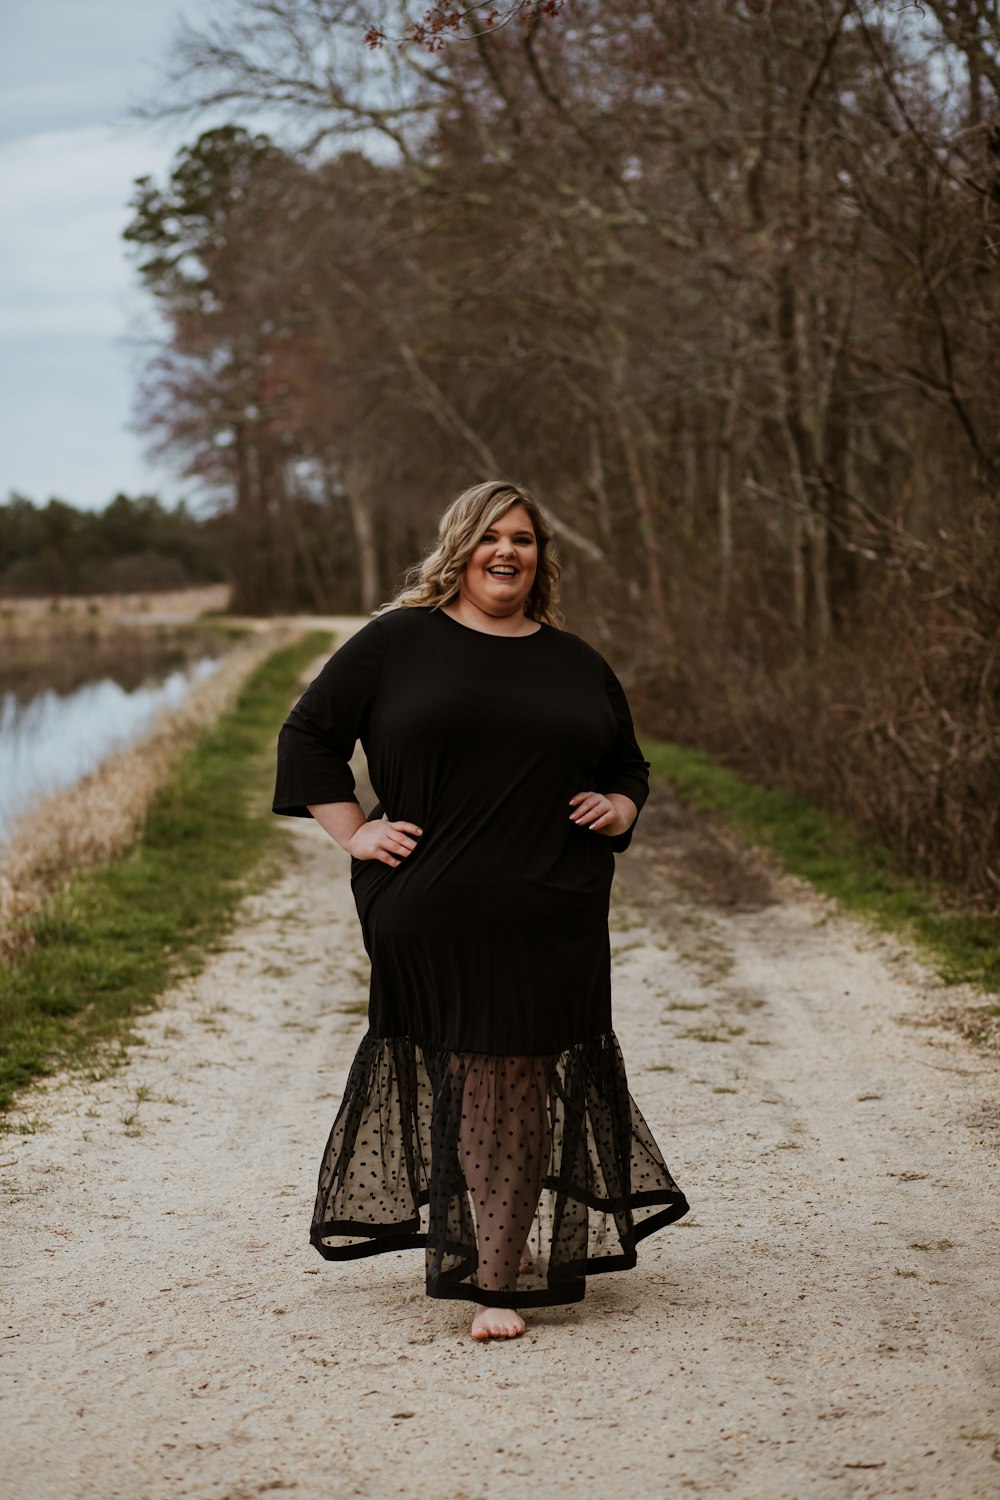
435, 580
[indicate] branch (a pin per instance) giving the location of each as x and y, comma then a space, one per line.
441, 24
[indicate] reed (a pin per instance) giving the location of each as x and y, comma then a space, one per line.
88, 824
57, 615
108, 945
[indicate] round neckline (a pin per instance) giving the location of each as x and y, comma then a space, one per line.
491, 635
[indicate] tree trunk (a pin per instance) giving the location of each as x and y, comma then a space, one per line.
724, 499
366, 551
647, 529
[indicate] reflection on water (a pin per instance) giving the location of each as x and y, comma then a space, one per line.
131, 657
50, 740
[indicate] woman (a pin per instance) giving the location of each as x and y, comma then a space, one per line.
486, 1116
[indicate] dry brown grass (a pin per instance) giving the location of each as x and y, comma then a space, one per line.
86, 825
57, 615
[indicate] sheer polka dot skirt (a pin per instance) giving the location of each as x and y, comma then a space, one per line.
518, 1175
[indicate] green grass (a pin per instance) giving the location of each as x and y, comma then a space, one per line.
107, 948
860, 874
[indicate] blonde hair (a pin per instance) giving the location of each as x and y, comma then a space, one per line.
435, 580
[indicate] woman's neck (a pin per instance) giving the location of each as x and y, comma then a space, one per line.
467, 613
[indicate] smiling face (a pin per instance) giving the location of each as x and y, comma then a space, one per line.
498, 576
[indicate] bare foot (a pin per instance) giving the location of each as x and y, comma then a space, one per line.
497, 1323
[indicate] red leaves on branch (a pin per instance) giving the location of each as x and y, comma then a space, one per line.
441, 23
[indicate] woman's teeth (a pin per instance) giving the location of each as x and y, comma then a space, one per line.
502, 571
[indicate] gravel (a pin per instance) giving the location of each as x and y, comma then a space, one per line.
824, 1323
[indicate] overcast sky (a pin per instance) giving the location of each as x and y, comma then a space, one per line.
70, 307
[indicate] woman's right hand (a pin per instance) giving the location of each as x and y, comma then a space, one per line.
384, 840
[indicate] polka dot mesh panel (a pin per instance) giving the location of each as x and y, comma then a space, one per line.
518, 1175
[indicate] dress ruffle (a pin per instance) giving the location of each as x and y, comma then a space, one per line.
519, 1176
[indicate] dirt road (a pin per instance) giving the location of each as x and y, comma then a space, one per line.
824, 1323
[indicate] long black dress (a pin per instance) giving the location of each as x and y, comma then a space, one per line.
486, 1115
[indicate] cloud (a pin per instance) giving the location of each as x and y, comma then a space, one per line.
64, 406
68, 298
62, 260
68, 63
68, 294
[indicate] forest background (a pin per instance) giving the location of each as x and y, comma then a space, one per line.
715, 279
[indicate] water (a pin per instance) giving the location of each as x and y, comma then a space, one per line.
52, 738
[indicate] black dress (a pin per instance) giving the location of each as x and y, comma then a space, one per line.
486, 1115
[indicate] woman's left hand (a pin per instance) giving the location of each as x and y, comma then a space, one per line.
611, 814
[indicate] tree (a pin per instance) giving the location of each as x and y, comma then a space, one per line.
717, 280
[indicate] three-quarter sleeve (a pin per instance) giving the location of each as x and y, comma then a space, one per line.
623, 769
317, 740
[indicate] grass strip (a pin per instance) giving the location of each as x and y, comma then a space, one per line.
107, 947
830, 852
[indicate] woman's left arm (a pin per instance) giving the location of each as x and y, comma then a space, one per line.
622, 778
612, 814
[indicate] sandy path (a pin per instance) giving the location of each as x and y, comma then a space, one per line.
824, 1323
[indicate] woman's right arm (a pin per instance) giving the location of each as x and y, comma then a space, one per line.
317, 739
315, 745
380, 839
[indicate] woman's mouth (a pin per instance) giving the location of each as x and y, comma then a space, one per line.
502, 570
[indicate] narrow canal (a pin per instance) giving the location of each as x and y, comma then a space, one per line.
66, 704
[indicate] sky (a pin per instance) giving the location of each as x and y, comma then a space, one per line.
72, 313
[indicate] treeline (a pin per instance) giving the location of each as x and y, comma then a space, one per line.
132, 545
716, 279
